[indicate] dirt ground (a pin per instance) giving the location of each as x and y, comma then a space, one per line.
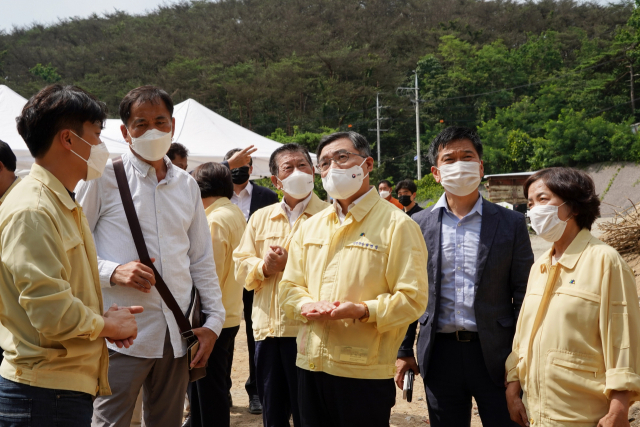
403, 414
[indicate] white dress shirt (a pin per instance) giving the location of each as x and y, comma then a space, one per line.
176, 233
343, 215
243, 200
294, 214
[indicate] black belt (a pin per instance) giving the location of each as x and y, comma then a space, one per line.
462, 336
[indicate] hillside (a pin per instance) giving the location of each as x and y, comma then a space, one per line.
545, 82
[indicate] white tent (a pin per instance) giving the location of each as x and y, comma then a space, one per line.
11, 105
207, 135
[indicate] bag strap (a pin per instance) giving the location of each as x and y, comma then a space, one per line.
143, 253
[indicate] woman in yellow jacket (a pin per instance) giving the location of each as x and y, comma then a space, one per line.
575, 353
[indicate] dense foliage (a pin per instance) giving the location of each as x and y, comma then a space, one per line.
545, 82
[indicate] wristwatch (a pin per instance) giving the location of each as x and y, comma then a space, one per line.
365, 317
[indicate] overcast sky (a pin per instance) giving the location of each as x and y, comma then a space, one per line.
25, 12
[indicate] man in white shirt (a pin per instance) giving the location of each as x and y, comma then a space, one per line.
178, 240
260, 259
249, 197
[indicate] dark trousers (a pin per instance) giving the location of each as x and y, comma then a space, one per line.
456, 373
277, 381
250, 385
22, 405
329, 401
209, 396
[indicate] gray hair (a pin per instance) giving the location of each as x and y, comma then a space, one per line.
359, 142
287, 148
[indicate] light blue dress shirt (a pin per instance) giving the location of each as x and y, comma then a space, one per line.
459, 244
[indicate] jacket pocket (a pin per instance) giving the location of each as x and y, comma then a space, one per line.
574, 388
353, 344
507, 322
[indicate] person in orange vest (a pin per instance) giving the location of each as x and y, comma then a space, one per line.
384, 189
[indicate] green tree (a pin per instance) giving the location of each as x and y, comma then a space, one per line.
46, 72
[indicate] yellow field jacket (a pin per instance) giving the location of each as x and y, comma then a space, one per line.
11, 187
578, 335
377, 256
269, 226
226, 223
50, 298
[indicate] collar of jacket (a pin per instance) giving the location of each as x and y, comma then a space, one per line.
52, 183
315, 205
363, 207
215, 205
570, 257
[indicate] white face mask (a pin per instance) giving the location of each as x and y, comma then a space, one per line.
546, 222
97, 159
298, 185
343, 183
384, 194
152, 145
460, 178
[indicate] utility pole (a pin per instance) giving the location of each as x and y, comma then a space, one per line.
408, 90
418, 128
633, 96
377, 129
378, 121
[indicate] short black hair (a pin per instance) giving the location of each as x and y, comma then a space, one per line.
287, 148
359, 142
53, 109
177, 149
214, 180
233, 151
385, 181
142, 94
574, 187
407, 184
7, 157
451, 134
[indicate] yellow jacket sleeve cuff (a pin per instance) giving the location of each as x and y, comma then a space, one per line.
372, 305
623, 379
255, 277
98, 326
298, 312
511, 366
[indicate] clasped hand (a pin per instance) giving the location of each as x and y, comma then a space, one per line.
325, 310
275, 260
120, 327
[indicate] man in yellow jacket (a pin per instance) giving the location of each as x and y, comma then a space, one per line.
53, 327
260, 260
8, 178
356, 277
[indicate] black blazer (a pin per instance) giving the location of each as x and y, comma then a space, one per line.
504, 260
261, 197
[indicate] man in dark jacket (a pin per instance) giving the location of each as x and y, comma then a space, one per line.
479, 261
249, 197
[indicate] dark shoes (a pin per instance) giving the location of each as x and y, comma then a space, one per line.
187, 421
254, 405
